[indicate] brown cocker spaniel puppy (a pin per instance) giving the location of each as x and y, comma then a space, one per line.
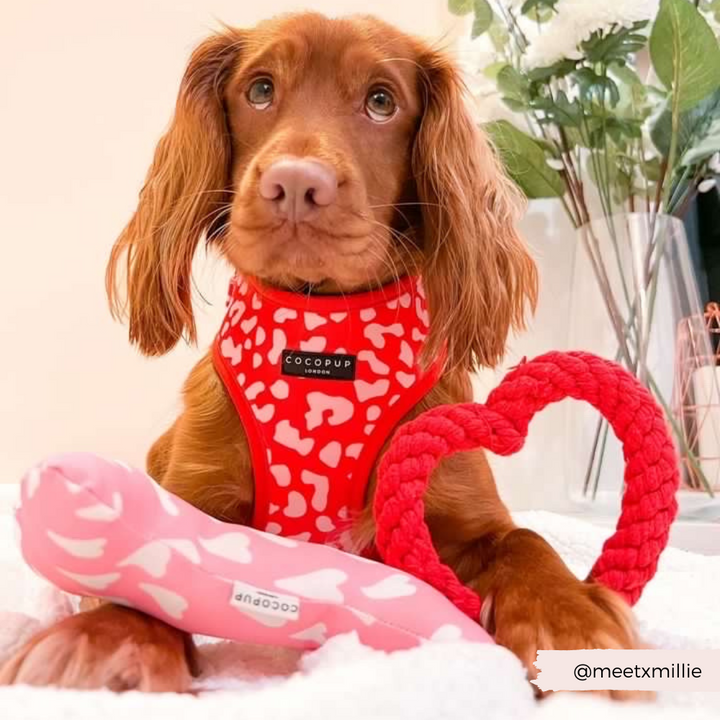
329, 156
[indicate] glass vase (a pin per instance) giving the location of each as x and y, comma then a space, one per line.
633, 289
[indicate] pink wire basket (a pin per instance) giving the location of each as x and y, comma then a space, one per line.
696, 399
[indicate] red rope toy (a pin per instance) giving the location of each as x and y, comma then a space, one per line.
629, 557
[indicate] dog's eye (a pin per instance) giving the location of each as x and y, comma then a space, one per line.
380, 104
260, 93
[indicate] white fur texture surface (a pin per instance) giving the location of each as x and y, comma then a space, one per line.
343, 680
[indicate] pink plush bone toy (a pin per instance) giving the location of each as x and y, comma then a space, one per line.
97, 527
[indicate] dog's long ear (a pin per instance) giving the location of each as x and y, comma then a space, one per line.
184, 195
479, 276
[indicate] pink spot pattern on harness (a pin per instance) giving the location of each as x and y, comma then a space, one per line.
319, 392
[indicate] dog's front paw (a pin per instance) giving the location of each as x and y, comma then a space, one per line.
109, 647
568, 615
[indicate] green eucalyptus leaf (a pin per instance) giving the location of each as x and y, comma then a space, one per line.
652, 169
492, 70
594, 133
596, 87
540, 15
515, 105
483, 18
633, 100
547, 146
626, 74
685, 52
498, 35
705, 148
692, 127
460, 7
512, 83
620, 191
558, 70
525, 161
616, 46
561, 111
661, 129
574, 137
629, 83
620, 130
537, 5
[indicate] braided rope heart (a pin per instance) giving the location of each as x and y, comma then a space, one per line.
629, 557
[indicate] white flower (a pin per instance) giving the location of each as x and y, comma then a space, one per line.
714, 163
577, 20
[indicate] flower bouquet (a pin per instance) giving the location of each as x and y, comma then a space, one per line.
613, 109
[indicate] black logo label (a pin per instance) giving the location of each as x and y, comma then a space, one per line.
318, 365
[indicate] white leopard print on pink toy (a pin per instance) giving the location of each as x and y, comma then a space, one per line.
96, 527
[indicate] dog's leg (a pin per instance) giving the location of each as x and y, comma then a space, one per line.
203, 459
532, 601
107, 647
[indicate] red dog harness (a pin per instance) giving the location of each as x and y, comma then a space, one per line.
320, 383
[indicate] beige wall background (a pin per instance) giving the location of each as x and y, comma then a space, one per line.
85, 92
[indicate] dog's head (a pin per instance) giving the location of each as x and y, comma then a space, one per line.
328, 156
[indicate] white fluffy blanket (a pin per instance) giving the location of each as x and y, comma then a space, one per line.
680, 609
